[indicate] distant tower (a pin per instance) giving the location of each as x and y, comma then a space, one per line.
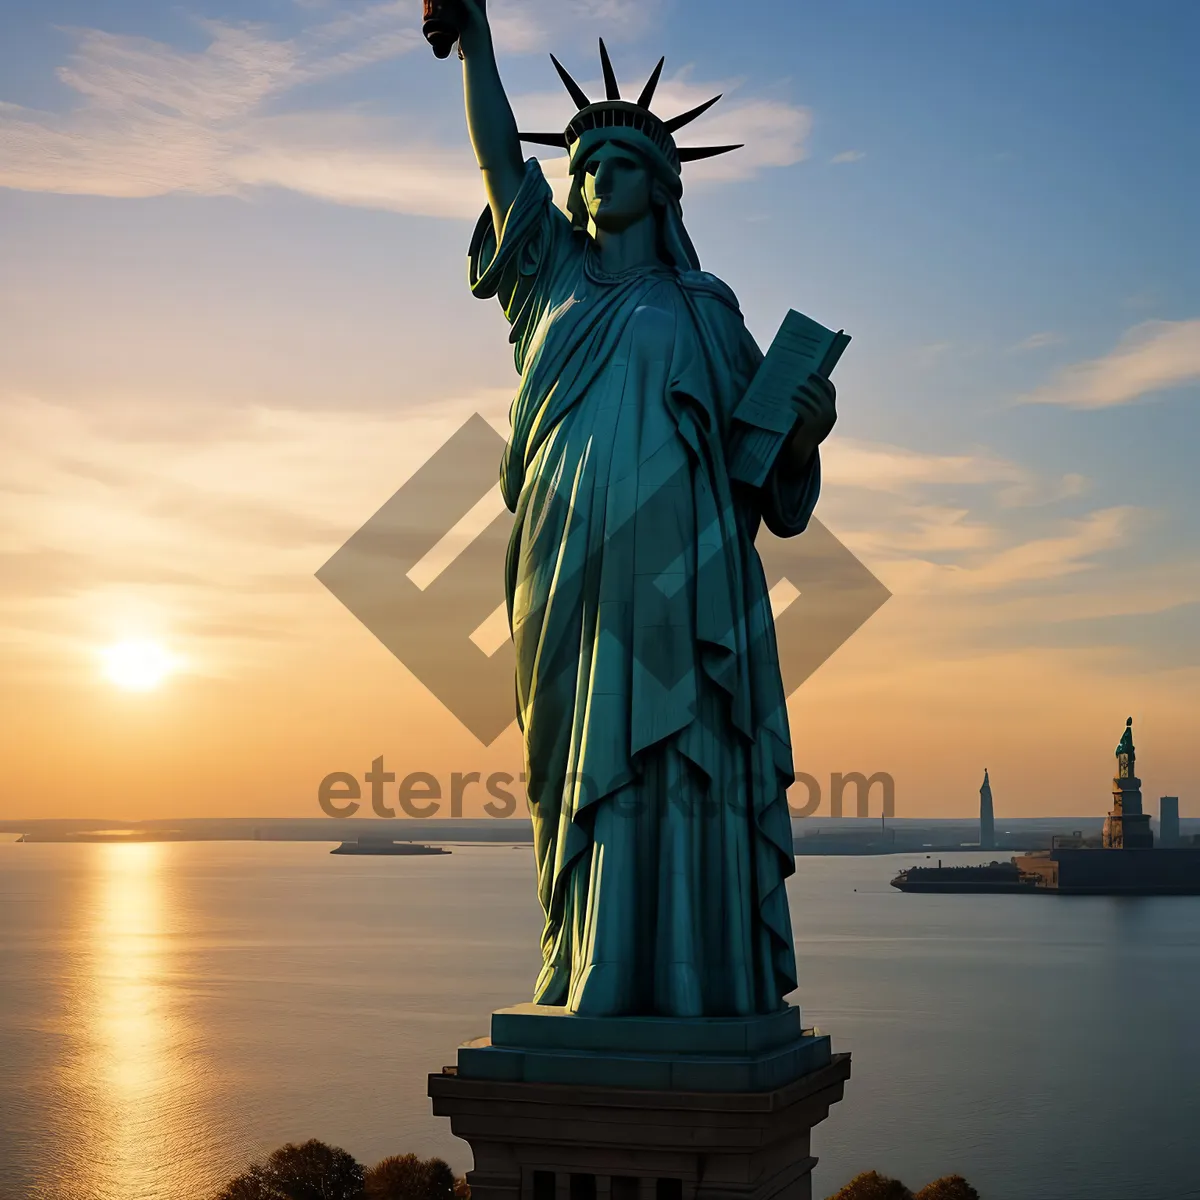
987, 818
1168, 821
1127, 827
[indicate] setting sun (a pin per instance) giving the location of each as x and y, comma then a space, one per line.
137, 666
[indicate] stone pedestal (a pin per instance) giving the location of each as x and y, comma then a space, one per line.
557, 1107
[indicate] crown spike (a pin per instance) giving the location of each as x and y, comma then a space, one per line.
545, 139
688, 117
651, 84
577, 93
695, 153
611, 90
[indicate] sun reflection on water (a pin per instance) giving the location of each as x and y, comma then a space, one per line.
132, 1073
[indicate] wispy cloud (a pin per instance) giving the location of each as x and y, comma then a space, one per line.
357, 159
877, 466
1038, 341
527, 26
1152, 357
205, 524
944, 553
190, 519
969, 522
930, 354
1076, 547
925, 479
848, 156
628, 16
151, 120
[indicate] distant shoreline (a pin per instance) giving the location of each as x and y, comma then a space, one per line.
812, 835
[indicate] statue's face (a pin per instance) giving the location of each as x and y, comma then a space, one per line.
617, 189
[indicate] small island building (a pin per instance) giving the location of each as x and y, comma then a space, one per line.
1127, 827
987, 815
1168, 821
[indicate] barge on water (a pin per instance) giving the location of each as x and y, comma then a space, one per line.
989, 878
1071, 871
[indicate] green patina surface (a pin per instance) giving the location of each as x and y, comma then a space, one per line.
648, 684
648, 681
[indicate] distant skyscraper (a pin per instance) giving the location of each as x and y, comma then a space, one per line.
1168, 821
1127, 827
987, 818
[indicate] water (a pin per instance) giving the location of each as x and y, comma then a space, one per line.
169, 1012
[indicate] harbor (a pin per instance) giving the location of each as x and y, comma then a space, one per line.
1124, 861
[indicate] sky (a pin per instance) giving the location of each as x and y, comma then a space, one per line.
235, 320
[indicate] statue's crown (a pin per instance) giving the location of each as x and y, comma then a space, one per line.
615, 113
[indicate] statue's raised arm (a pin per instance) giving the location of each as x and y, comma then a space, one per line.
490, 120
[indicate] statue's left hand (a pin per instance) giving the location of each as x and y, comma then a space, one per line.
816, 401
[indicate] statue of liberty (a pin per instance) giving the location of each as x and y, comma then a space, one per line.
648, 686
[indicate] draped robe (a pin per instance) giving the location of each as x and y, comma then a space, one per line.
648, 687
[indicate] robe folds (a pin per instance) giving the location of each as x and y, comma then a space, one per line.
648, 686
